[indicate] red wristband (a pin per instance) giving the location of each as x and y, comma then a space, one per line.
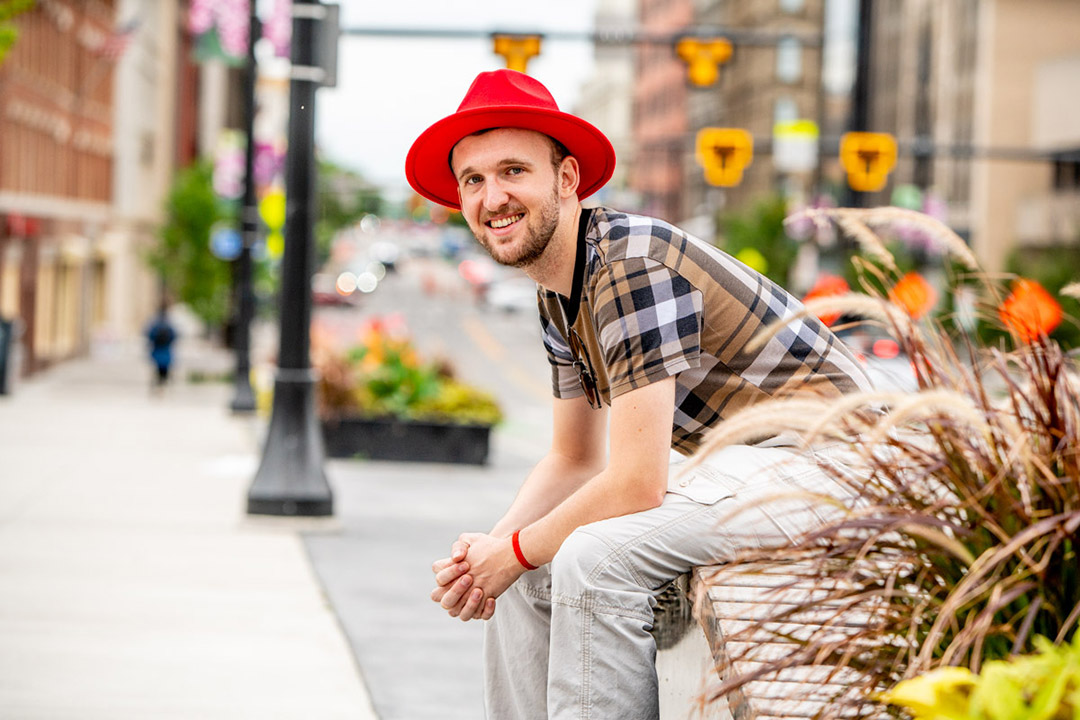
517, 551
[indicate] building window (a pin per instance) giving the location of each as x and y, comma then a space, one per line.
789, 60
792, 6
1067, 171
785, 109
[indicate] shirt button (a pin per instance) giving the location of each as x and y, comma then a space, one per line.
684, 483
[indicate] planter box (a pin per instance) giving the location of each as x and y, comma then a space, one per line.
406, 440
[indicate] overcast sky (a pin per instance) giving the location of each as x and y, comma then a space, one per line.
390, 90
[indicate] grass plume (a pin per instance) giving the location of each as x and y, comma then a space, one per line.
961, 545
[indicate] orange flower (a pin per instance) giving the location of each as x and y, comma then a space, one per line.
914, 294
1030, 311
828, 286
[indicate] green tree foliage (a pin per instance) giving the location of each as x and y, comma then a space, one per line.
182, 257
343, 198
9, 9
760, 229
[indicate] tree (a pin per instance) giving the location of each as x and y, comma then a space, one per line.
757, 234
343, 198
189, 271
9, 9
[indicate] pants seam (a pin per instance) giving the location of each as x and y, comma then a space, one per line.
619, 552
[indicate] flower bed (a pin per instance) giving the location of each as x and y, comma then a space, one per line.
379, 400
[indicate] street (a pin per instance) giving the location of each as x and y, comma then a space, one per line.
396, 518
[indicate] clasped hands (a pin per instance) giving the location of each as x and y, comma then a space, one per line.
480, 568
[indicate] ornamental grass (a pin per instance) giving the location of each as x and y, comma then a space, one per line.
961, 547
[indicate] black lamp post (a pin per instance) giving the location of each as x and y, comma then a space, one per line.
243, 398
290, 479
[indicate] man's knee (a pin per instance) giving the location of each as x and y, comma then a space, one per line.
584, 560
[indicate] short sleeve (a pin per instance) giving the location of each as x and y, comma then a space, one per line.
648, 322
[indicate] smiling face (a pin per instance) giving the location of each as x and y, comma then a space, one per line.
511, 192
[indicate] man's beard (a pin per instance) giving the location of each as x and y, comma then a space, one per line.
537, 236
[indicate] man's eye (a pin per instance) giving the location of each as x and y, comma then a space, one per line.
515, 171
472, 179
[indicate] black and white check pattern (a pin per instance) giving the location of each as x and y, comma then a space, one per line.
657, 302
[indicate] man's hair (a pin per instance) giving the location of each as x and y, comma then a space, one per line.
558, 150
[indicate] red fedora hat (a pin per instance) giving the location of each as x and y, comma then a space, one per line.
505, 98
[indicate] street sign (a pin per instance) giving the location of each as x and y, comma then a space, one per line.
868, 158
795, 146
724, 152
226, 242
702, 57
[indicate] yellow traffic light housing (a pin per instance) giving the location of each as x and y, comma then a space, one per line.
702, 57
868, 158
724, 153
517, 49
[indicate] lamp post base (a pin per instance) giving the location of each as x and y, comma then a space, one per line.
243, 398
290, 479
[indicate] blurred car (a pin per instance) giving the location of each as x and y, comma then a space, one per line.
327, 289
885, 362
512, 294
385, 253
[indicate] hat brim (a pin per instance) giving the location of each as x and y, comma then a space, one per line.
427, 165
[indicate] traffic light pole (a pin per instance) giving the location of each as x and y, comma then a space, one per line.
243, 398
860, 92
290, 479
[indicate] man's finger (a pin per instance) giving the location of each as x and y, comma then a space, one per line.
489, 609
440, 564
458, 550
453, 596
472, 605
451, 573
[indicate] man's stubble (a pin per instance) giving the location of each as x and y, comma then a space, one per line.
537, 238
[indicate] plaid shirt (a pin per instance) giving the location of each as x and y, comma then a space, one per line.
654, 302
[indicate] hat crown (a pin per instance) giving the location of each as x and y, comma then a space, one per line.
504, 88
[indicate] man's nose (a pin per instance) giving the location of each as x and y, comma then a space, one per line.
495, 195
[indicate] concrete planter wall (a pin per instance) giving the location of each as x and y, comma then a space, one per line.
406, 440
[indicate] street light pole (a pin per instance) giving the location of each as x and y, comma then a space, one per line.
860, 93
290, 479
243, 398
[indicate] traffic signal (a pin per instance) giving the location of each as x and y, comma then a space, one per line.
868, 158
724, 152
702, 56
517, 49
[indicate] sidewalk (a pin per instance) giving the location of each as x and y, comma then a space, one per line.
132, 583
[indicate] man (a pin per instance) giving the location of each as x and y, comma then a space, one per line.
645, 330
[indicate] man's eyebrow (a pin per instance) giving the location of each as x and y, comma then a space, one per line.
502, 163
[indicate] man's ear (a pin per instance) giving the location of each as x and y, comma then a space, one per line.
569, 176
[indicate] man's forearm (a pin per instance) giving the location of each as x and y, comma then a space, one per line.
606, 496
554, 479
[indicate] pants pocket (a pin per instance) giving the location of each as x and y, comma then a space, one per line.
703, 484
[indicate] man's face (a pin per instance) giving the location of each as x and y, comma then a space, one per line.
509, 192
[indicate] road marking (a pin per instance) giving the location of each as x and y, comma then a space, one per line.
496, 351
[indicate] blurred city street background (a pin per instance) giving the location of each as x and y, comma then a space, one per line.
145, 167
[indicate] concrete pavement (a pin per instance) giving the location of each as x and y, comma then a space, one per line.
132, 583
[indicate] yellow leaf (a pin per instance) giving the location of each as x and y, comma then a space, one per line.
940, 694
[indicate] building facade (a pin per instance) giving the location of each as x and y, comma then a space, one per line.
99, 104
659, 121
987, 90
56, 170
607, 99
